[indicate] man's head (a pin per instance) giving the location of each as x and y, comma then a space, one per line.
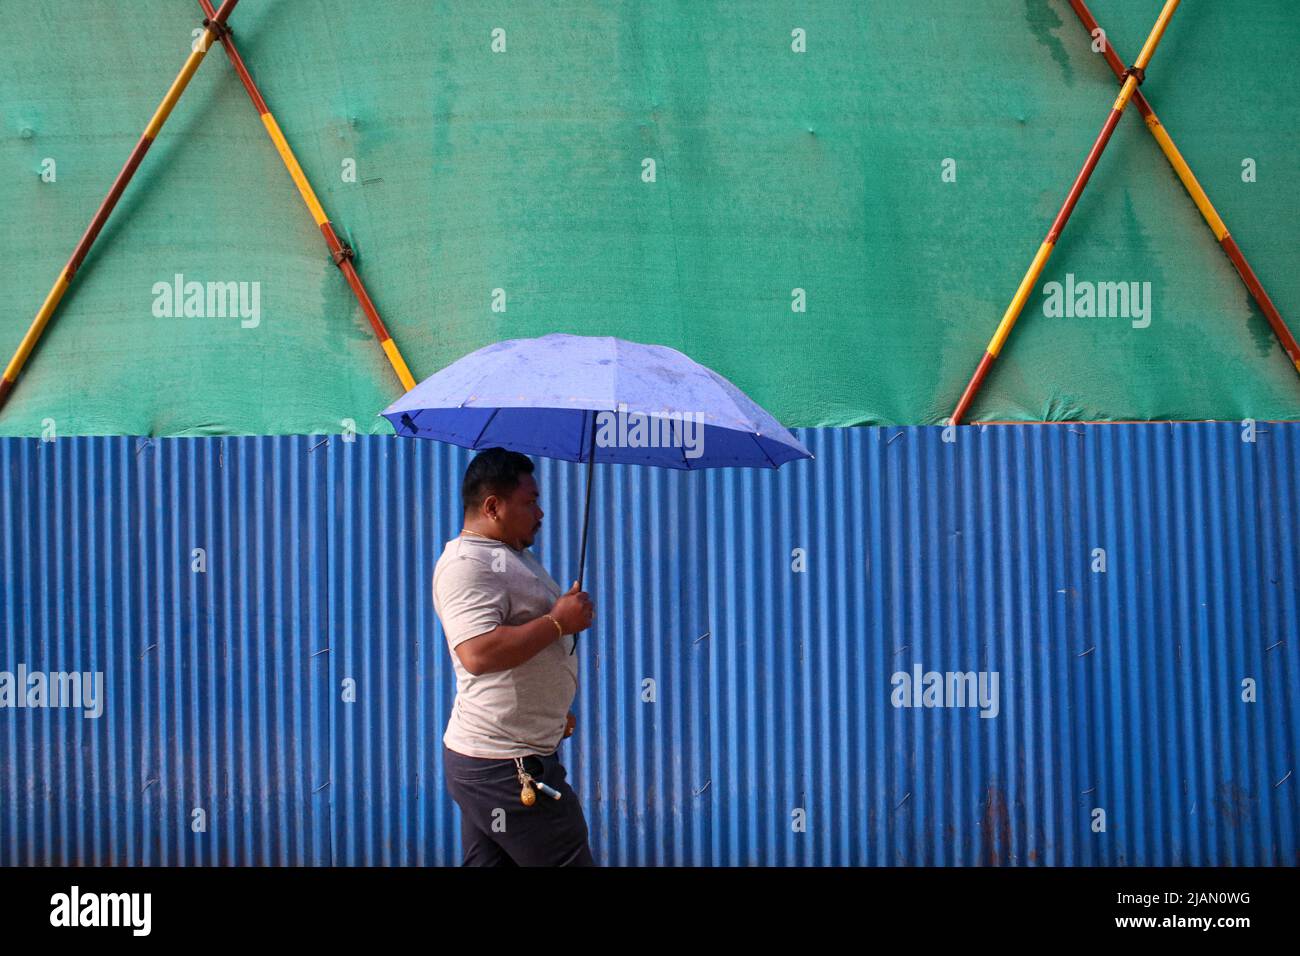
500, 497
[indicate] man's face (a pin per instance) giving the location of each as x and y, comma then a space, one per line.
521, 518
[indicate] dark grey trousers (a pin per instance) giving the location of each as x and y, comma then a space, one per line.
496, 829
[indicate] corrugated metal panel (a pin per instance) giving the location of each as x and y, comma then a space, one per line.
732, 710
211, 700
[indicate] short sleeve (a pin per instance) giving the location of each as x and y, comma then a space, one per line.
471, 601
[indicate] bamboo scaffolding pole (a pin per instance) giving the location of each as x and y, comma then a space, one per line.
1133, 76
1194, 189
214, 26
339, 251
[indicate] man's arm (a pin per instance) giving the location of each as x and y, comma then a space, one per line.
507, 646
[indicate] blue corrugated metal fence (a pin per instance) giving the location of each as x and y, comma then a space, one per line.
277, 684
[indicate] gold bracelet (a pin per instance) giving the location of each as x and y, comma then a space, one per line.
557, 625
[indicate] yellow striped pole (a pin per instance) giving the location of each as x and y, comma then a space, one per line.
214, 26
1133, 76
1194, 189
339, 251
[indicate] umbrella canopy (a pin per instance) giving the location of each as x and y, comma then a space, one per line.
582, 398
560, 396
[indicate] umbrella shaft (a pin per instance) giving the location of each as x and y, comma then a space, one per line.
586, 508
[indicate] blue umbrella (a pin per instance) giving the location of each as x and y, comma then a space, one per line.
580, 398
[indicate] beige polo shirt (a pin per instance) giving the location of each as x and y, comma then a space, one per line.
479, 584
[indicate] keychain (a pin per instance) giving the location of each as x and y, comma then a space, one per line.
527, 795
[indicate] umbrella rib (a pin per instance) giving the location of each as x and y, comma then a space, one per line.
485, 427
774, 465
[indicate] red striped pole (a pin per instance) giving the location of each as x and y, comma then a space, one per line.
339, 252
215, 25
1133, 76
1193, 187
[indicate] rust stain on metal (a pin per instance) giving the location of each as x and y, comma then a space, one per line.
995, 827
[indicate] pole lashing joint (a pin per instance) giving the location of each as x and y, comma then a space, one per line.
1137, 72
219, 30
345, 252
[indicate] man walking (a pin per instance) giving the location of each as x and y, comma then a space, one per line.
508, 629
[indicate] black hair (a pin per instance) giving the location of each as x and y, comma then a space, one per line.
493, 471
